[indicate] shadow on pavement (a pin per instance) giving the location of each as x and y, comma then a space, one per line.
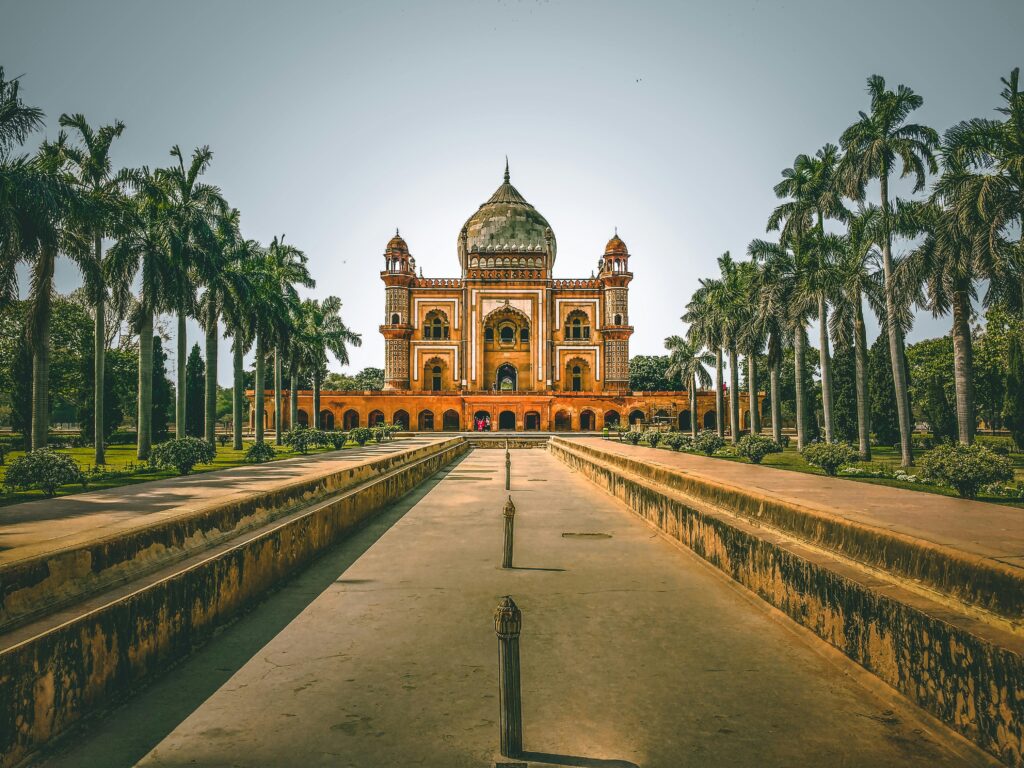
575, 760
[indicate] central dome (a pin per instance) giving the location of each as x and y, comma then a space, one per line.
507, 223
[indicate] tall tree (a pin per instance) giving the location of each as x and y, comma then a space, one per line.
690, 364
237, 312
772, 292
876, 146
100, 189
322, 330
706, 331
195, 381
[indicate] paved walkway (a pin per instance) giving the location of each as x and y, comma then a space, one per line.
36, 527
987, 530
634, 653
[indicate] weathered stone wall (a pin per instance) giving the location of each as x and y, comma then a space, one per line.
36, 586
967, 672
55, 671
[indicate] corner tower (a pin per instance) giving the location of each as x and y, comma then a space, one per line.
398, 275
615, 277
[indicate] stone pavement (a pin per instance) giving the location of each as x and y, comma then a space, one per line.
986, 530
37, 527
634, 653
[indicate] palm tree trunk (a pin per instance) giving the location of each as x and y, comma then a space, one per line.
825, 360
776, 405
39, 338
210, 420
963, 365
316, 399
179, 408
693, 406
278, 373
801, 396
258, 390
293, 399
145, 416
896, 352
860, 356
237, 394
719, 395
99, 367
734, 399
755, 412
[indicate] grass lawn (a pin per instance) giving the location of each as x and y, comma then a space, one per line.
881, 457
122, 457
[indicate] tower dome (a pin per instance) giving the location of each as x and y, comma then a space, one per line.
507, 223
616, 247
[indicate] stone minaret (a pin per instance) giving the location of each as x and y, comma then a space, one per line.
398, 276
615, 277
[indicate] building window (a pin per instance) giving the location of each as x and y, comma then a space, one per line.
524, 335
396, 319
435, 325
489, 334
577, 326
618, 320
577, 379
508, 334
435, 378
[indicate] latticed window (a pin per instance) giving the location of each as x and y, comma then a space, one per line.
577, 326
435, 326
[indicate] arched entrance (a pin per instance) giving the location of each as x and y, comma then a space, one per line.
481, 421
303, 418
586, 421
425, 421
401, 419
375, 419
507, 420
531, 420
710, 420
350, 420
563, 422
746, 419
636, 416
326, 420
611, 419
684, 421
506, 379
450, 421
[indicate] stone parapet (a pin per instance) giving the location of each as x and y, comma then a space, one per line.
853, 587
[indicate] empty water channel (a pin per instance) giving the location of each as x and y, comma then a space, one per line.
634, 652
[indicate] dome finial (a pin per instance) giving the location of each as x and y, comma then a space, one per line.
506, 169
396, 232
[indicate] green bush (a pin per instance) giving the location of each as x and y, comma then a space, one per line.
1001, 445
259, 452
632, 437
756, 447
829, 456
707, 442
338, 440
304, 438
652, 437
361, 435
677, 441
182, 454
44, 469
966, 468
222, 439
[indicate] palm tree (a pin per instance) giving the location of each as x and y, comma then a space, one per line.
772, 312
193, 208
793, 217
857, 272
237, 309
101, 191
875, 146
690, 363
705, 331
324, 331
728, 309
752, 335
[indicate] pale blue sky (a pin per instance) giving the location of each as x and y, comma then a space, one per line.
336, 122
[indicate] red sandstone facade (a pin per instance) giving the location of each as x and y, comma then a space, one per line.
506, 343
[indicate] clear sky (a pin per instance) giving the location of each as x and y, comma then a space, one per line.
335, 122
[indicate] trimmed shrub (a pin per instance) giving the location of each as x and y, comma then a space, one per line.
784, 441
756, 447
260, 452
182, 454
966, 468
304, 438
677, 441
44, 469
707, 442
338, 440
632, 437
361, 435
652, 437
829, 456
